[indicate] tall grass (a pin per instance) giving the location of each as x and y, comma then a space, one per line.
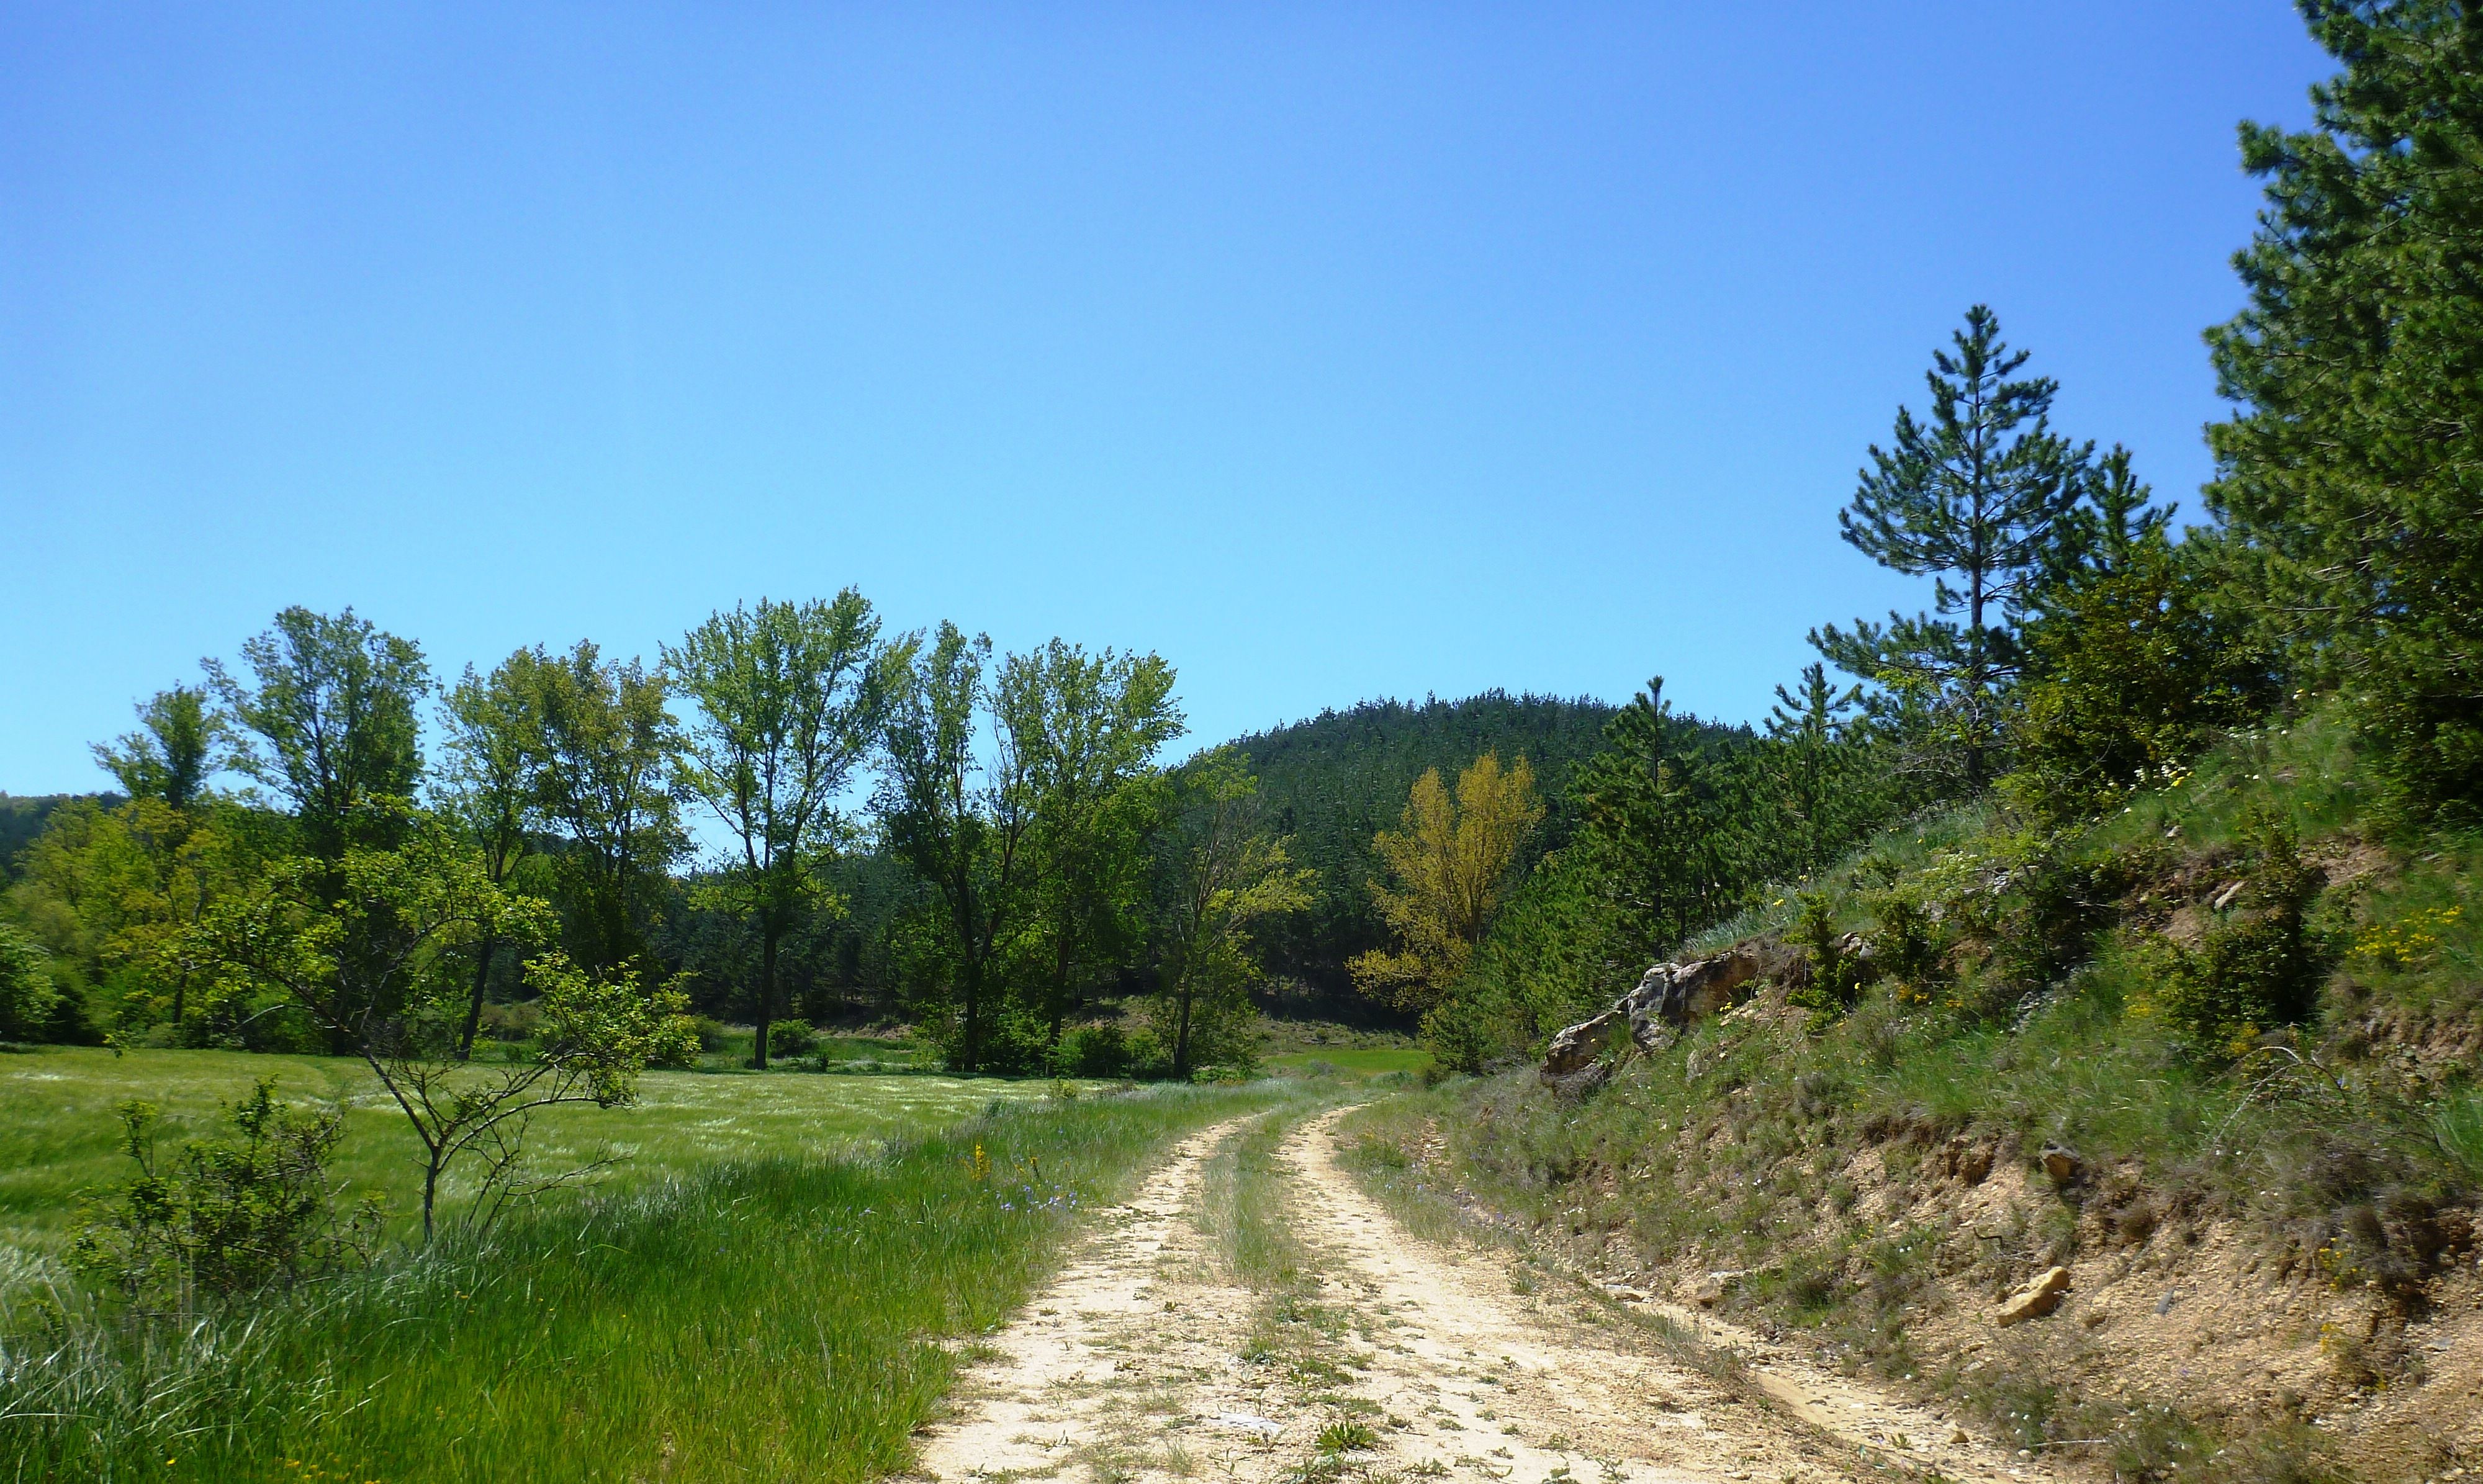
59, 1136
778, 1317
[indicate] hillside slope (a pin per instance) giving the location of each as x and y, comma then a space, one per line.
1339, 778
2215, 1058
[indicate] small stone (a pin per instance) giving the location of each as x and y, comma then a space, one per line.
2036, 1299
2062, 1164
1958, 1436
1713, 1287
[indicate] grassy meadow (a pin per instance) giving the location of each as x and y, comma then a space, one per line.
773, 1289
60, 1135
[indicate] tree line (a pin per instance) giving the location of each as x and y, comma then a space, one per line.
1008, 821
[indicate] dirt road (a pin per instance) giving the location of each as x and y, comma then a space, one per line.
1383, 1357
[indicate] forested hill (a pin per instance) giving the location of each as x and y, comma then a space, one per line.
22, 817
1334, 780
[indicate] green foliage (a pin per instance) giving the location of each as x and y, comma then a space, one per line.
108, 892
962, 829
329, 708
789, 699
219, 1220
1094, 1051
29, 996
179, 743
1086, 729
1979, 493
1668, 818
793, 1038
1222, 879
356, 948
1838, 975
604, 746
2347, 476
2258, 967
23, 818
1558, 953
1334, 782
2132, 669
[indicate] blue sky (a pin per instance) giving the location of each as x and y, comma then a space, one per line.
1331, 351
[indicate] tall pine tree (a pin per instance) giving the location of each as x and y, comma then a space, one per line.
2351, 473
1973, 498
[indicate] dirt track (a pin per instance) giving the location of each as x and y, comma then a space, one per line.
1146, 1359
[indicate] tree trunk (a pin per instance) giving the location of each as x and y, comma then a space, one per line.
768, 930
1060, 989
430, 1194
1180, 1037
475, 1006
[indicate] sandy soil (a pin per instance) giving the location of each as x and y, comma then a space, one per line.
1145, 1361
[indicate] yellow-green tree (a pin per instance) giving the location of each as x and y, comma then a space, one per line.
1449, 862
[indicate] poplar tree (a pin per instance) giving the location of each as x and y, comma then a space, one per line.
1973, 497
488, 788
790, 697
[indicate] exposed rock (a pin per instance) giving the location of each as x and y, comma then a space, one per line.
1577, 1047
1673, 996
2036, 1299
1710, 1290
2063, 1164
1667, 997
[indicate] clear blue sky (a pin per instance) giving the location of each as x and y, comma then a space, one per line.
1333, 351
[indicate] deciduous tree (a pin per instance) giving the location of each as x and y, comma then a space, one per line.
790, 697
1450, 861
605, 745
1087, 727
959, 822
1227, 874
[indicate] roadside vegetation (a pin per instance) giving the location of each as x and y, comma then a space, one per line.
2114, 915
782, 1315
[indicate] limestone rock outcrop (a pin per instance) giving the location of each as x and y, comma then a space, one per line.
1667, 997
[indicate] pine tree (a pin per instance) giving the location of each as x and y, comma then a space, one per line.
1977, 494
2352, 471
1817, 780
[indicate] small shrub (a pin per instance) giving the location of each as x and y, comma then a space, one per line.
224, 1219
1836, 975
2257, 969
510, 1023
791, 1038
1092, 1051
1347, 1438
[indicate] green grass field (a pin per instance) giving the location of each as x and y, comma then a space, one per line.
771, 1293
1363, 1062
59, 1135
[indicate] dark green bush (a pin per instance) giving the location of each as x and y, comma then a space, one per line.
791, 1038
2258, 967
1092, 1051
